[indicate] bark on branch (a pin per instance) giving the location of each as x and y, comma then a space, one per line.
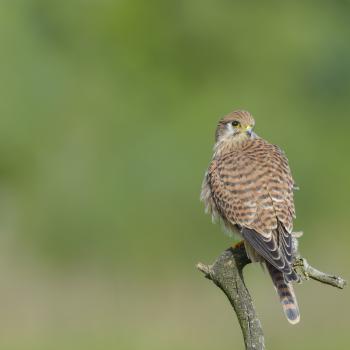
226, 273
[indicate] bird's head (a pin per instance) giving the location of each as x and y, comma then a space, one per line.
237, 125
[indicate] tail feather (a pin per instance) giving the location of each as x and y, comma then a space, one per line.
286, 293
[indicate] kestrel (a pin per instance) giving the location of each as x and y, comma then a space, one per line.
249, 187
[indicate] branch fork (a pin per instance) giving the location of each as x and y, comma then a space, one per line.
226, 273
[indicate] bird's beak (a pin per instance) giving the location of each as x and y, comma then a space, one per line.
249, 130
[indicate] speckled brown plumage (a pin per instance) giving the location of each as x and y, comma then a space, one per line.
249, 187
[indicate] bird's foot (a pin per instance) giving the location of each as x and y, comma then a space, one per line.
300, 267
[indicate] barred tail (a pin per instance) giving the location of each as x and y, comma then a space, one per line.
286, 294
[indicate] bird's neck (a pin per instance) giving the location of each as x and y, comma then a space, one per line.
229, 144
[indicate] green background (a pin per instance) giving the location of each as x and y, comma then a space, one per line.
108, 111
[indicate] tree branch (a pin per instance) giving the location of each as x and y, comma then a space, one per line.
306, 271
226, 273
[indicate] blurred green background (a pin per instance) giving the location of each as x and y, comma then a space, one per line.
108, 111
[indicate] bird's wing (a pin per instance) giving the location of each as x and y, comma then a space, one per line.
253, 188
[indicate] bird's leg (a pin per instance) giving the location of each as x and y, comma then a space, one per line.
299, 262
295, 243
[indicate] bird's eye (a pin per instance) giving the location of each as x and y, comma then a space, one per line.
235, 123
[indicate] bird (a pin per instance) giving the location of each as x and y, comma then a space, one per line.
248, 186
